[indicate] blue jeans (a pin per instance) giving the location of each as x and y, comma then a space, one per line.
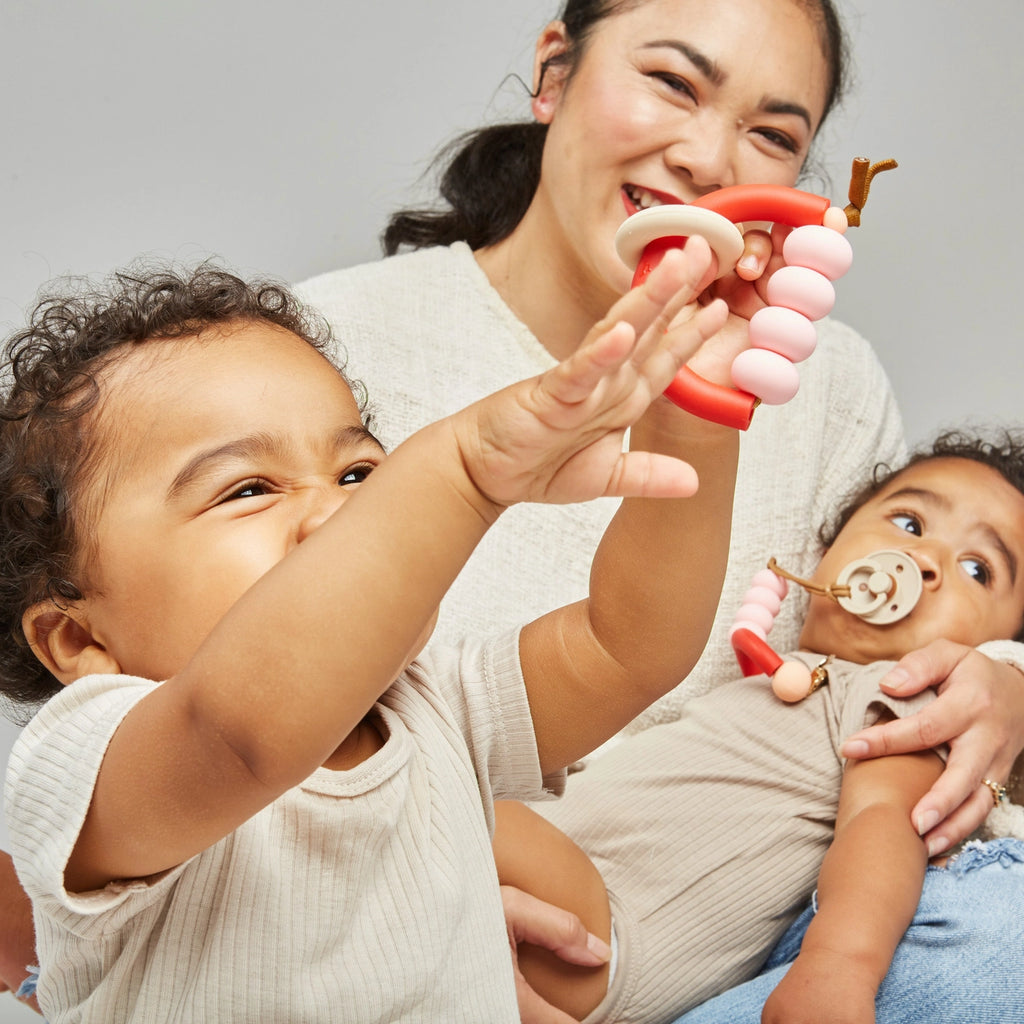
960, 962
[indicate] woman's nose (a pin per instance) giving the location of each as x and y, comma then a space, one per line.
704, 153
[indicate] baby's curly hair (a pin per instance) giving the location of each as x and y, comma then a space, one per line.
1002, 451
52, 370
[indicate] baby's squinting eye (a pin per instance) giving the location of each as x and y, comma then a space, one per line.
976, 569
355, 475
907, 522
253, 489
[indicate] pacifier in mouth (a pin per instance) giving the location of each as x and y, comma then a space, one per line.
881, 588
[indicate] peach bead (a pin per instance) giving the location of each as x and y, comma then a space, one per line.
804, 290
835, 219
769, 376
783, 330
792, 681
820, 249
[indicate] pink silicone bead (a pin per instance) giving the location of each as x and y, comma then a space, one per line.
792, 681
783, 330
804, 290
764, 597
766, 578
820, 249
756, 613
769, 376
747, 624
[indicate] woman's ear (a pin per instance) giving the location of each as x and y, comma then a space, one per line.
549, 78
61, 640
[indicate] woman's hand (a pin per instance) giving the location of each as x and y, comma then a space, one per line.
979, 712
529, 919
745, 290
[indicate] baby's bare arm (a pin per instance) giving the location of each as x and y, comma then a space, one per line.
654, 589
868, 890
299, 660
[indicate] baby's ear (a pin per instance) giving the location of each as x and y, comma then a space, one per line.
64, 644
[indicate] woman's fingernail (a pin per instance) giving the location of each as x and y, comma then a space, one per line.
599, 948
897, 678
935, 846
749, 263
925, 822
855, 748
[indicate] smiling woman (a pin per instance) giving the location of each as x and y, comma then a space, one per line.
430, 331
635, 103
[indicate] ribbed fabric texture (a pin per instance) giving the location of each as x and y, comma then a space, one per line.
709, 831
368, 895
427, 334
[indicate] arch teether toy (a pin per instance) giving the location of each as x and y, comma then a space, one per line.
781, 334
881, 589
798, 293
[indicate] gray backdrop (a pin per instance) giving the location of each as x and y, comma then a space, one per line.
278, 137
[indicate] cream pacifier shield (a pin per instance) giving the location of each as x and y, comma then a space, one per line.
884, 587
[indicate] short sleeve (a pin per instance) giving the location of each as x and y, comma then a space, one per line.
51, 777
483, 684
862, 703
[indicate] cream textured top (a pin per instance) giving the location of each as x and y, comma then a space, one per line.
366, 895
427, 334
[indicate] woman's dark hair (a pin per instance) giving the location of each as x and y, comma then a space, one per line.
52, 370
1003, 452
488, 177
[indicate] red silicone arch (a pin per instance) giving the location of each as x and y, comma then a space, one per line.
755, 656
776, 203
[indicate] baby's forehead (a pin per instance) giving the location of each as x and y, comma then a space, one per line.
943, 474
242, 379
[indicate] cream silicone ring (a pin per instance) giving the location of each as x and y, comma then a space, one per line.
658, 222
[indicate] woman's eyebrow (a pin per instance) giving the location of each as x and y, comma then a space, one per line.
713, 72
703, 63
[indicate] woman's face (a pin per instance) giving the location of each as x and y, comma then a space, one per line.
672, 99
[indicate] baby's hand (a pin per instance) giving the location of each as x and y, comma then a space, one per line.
559, 437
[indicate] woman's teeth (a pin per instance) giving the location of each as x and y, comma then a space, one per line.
641, 198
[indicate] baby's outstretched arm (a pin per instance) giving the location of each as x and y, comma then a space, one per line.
291, 670
654, 588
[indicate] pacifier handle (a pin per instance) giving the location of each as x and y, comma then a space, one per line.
881, 588
791, 680
781, 334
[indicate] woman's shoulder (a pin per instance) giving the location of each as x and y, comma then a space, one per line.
386, 278
838, 340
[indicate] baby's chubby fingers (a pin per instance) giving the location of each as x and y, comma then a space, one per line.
638, 326
649, 308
